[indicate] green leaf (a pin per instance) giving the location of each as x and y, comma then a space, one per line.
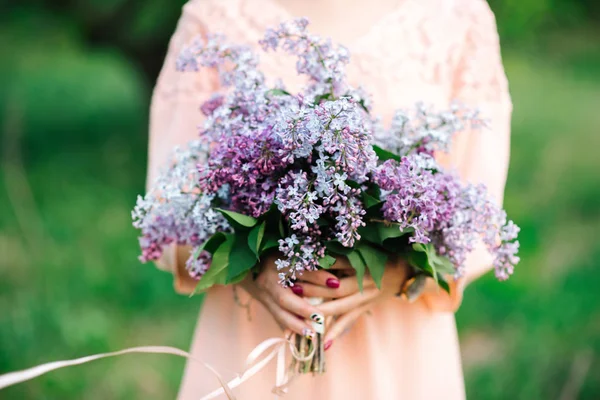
238, 219
397, 245
327, 261
255, 238
217, 272
326, 96
277, 92
374, 190
323, 222
212, 243
422, 257
281, 227
361, 102
419, 247
420, 261
375, 261
370, 232
378, 232
359, 265
385, 155
369, 200
388, 231
336, 247
238, 278
241, 258
352, 184
442, 282
442, 264
269, 242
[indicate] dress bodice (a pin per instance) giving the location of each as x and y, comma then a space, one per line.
411, 54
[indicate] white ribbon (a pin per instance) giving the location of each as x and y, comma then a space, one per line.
254, 363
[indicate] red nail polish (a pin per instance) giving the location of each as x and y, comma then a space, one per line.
328, 344
332, 283
297, 289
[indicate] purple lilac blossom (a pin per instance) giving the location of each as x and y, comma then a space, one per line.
255, 137
442, 210
198, 265
311, 155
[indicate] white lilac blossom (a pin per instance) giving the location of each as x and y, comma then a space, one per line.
424, 130
310, 156
174, 211
317, 57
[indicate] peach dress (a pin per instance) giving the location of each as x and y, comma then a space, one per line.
426, 50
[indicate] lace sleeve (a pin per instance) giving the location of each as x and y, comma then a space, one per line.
479, 156
175, 109
175, 116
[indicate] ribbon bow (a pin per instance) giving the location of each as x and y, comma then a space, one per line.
258, 358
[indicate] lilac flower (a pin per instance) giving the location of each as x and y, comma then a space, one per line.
249, 165
349, 218
422, 130
209, 106
417, 198
317, 57
197, 266
311, 154
296, 201
173, 211
476, 217
441, 209
302, 253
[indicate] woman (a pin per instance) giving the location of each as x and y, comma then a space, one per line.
403, 51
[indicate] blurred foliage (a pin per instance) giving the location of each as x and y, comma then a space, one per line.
75, 83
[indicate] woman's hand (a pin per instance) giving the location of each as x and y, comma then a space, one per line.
342, 284
289, 309
349, 309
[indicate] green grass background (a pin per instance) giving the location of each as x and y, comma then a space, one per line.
73, 153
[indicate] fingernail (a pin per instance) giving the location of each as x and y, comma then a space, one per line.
332, 283
297, 289
318, 322
328, 344
307, 333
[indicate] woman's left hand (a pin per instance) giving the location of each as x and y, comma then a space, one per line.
348, 309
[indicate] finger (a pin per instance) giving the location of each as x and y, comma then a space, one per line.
287, 320
344, 323
349, 303
293, 304
321, 277
341, 262
350, 286
347, 287
293, 323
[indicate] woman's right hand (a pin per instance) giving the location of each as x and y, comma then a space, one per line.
287, 306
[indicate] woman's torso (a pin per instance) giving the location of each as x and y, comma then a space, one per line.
412, 53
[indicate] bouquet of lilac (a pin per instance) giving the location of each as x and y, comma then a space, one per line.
313, 176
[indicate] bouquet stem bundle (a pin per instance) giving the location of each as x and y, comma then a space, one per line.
305, 346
